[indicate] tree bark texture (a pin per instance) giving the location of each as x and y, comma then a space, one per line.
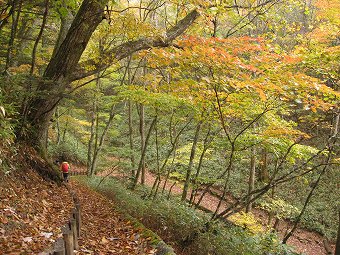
65, 24
63, 67
55, 81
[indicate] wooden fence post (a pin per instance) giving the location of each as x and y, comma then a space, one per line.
68, 240
74, 231
78, 218
59, 247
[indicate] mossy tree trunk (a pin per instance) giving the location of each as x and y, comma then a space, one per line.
56, 77
64, 66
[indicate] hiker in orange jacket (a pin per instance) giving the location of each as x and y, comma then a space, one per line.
65, 167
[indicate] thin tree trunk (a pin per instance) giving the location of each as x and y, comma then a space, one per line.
15, 21
263, 169
65, 130
142, 158
169, 170
205, 148
57, 125
251, 182
337, 246
25, 31
95, 145
225, 188
42, 27
142, 138
298, 219
191, 162
130, 79
170, 151
132, 157
226, 172
169, 193
271, 214
173, 142
331, 142
100, 143
157, 181
92, 134
215, 24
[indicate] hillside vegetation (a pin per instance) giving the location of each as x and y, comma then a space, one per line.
234, 101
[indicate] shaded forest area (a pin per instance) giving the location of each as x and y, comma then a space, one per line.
234, 97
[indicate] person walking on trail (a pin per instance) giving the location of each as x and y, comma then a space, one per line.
65, 167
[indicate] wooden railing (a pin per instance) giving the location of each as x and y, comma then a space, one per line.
71, 231
77, 173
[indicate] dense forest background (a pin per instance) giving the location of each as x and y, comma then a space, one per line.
238, 95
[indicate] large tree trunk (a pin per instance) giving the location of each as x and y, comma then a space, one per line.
65, 24
63, 67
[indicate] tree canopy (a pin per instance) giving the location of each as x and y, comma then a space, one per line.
238, 95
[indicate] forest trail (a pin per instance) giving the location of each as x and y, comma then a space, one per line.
32, 212
103, 230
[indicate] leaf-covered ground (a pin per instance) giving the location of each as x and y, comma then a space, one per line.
103, 230
31, 212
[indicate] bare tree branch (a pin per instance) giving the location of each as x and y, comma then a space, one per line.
122, 51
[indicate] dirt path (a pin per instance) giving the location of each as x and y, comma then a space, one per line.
103, 230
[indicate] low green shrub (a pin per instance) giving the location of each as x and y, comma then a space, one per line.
71, 149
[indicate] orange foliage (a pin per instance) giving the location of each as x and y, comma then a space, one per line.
199, 65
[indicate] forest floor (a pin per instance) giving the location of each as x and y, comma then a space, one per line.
33, 210
303, 240
103, 230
